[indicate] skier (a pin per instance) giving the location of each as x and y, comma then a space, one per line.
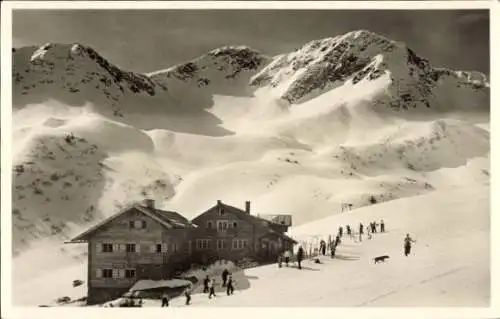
206, 281
407, 244
361, 229
230, 288
337, 240
187, 293
332, 251
280, 260
211, 286
368, 233
382, 226
225, 273
287, 257
164, 300
341, 230
322, 247
300, 256
348, 228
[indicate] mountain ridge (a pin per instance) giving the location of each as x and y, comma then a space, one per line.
318, 66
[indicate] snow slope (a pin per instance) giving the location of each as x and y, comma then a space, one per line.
436, 274
356, 119
449, 265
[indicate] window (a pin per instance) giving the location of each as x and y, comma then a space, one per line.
202, 243
115, 273
209, 224
107, 273
131, 248
221, 244
222, 225
107, 248
158, 248
240, 243
137, 224
129, 273
221, 211
235, 224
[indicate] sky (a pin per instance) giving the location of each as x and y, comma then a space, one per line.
149, 40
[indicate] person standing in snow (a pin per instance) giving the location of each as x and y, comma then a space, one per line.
332, 251
322, 247
382, 226
368, 233
300, 256
361, 229
230, 288
280, 260
211, 287
341, 231
164, 300
407, 244
187, 293
348, 229
287, 256
206, 281
337, 240
225, 273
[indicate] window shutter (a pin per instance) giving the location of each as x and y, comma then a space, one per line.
116, 247
115, 273
164, 247
137, 248
98, 273
99, 247
123, 248
152, 248
121, 273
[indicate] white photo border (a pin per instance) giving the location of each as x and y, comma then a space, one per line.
9, 311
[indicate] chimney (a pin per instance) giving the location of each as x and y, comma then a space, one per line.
247, 207
219, 202
149, 203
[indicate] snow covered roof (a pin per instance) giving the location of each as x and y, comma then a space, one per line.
280, 219
175, 219
167, 219
154, 284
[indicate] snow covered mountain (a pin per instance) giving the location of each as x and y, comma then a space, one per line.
355, 119
361, 56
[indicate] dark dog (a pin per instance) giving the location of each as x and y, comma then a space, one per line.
380, 259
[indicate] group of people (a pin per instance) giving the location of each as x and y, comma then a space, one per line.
371, 228
227, 281
287, 255
208, 288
